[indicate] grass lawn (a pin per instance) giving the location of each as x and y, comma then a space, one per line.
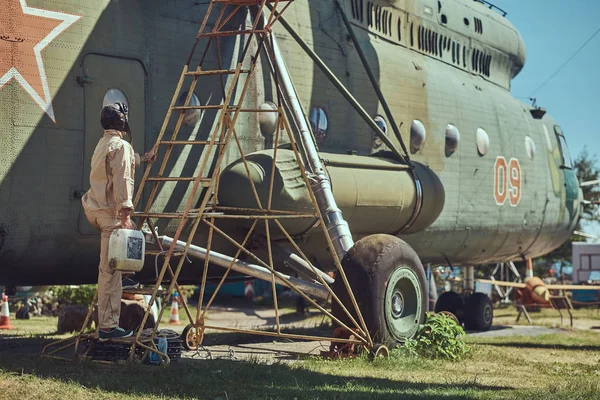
564, 365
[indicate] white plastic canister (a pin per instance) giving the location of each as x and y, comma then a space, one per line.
126, 250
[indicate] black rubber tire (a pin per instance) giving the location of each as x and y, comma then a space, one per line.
369, 266
451, 302
479, 312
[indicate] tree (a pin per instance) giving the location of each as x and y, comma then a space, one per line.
586, 167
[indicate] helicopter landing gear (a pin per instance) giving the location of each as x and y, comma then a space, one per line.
388, 281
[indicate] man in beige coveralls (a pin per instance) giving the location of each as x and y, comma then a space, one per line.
108, 205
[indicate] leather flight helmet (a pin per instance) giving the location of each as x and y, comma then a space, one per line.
115, 116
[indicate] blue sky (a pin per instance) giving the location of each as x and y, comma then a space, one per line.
553, 30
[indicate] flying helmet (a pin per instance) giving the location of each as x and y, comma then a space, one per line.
115, 116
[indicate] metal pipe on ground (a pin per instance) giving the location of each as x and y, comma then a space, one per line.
256, 271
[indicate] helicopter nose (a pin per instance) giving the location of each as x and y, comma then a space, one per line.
574, 197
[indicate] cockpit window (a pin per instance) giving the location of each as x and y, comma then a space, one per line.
564, 150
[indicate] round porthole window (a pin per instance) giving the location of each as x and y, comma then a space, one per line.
191, 117
318, 123
418, 134
547, 136
114, 96
529, 147
380, 121
268, 119
483, 141
452, 139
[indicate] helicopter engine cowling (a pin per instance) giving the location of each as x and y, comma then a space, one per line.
376, 195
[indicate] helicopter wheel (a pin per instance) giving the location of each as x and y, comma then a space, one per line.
479, 312
389, 284
451, 302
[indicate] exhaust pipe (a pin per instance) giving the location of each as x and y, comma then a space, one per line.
256, 271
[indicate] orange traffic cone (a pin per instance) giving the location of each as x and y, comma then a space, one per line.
174, 318
5, 314
249, 289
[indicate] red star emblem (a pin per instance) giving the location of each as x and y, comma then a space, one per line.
24, 32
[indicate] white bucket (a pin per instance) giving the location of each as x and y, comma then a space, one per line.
126, 250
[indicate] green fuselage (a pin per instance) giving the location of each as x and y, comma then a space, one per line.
515, 197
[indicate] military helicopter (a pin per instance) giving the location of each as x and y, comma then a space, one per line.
492, 178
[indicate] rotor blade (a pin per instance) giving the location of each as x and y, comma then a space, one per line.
586, 235
573, 287
502, 283
589, 183
552, 287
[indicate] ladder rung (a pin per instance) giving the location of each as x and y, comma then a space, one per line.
216, 72
172, 179
154, 253
234, 33
147, 291
245, 2
165, 215
189, 142
193, 213
205, 181
209, 107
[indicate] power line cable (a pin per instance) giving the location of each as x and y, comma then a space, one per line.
565, 63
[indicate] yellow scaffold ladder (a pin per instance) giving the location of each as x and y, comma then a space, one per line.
200, 188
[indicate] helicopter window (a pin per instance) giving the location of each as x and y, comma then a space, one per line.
113, 96
564, 149
418, 134
268, 120
529, 147
547, 136
444, 19
466, 21
452, 139
483, 142
191, 117
318, 123
382, 124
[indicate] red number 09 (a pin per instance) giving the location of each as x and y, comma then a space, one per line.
507, 181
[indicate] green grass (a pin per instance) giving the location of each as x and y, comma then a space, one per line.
495, 370
564, 365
